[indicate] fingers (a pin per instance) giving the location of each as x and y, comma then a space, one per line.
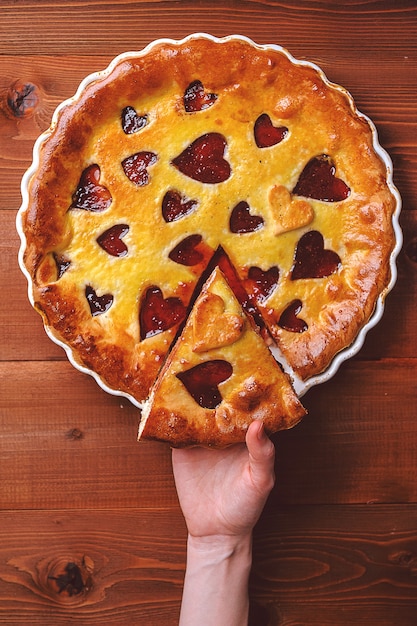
261, 457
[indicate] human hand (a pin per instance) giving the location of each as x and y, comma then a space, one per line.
223, 492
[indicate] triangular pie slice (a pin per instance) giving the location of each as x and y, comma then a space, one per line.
219, 376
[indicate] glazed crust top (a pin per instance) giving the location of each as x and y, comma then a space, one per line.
259, 207
219, 376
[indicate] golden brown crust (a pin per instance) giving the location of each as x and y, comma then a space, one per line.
254, 388
248, 81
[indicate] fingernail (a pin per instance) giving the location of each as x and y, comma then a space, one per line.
261, 431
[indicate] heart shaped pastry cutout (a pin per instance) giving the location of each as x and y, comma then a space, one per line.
288, 213
131, 121
203, 159
158, 313
136, 167
90, 195
212, 327
98, 304
312, 260
111, 240
186, 252
266, 134
175, 206
202, 380
262, 283
196, 98
318, 180
289, 320
242, 221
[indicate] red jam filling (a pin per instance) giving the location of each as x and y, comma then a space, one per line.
196, 98
318, 181
202, 380
203, 159
62, 264
266, 134
186, 252
312, 260
131, 121
158, 313
136, 167
175, 206
98, 304
90, 195
289, 320
111, 240
262, 283
242, 221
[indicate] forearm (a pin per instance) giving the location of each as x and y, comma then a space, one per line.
216, 581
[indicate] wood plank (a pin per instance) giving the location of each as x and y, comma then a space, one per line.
357, 445
22, 336
327, 566
312, 565
115, 568
66, 443
69, 26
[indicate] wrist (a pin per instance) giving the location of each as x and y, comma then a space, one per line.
216, 580
219, 546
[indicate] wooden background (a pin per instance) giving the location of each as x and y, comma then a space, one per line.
90, 528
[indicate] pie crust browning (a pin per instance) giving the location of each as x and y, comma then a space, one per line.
256, 388
185, 147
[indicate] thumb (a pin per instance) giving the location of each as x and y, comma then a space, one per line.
261, 457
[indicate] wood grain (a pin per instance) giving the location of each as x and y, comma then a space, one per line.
341, 565
320, 567
91, 567
90, 528
84, 453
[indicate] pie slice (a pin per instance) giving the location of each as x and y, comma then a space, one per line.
219, 376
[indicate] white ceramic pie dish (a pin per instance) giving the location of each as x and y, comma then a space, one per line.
301, 386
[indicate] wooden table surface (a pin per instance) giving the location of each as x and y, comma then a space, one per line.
90, 528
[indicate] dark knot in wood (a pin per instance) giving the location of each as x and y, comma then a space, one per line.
405, 559
75, 433
22, 99
70, 580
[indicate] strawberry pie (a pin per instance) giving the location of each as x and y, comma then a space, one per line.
196, 208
